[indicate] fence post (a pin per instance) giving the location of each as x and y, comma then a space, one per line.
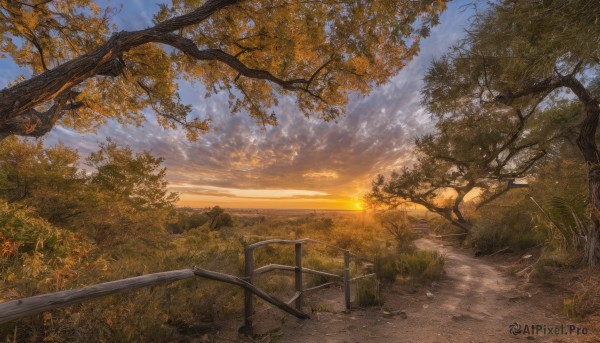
298, 274
347, 279
248, 304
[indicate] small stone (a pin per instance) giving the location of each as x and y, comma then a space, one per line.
387, 314
401, 314
429, 294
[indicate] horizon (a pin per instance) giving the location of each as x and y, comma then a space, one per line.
302, 163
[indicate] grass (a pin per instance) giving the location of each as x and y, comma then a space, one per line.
368, 292
421, 265
178, 311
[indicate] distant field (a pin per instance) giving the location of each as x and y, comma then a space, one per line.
288, 212
292, 212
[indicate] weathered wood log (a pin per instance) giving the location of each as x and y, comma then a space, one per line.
272, 267
304, 240
316, 288
363, 276
248, 286
295, 297
298, 275
274, 241
248, 301
347, 280
29, 306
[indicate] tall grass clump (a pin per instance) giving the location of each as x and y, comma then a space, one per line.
368, 292
421, 265
386, 267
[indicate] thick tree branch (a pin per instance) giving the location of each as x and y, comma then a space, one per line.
34, 123
25, 96
188, 47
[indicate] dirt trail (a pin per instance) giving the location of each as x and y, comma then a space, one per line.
473, 303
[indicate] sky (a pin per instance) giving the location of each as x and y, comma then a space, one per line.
301, 163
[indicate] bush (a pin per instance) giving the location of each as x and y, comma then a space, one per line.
367, 292
185, 219
499, 228
421, 264
386, 267
397, 224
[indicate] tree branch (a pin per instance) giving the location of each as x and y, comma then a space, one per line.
22, 98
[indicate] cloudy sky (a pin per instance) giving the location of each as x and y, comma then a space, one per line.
301, 163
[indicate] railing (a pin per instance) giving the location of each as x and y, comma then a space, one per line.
19, 308
298, 270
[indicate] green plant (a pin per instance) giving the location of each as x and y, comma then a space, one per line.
368, 292
421, 264
386, 267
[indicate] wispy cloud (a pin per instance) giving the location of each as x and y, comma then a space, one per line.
302, 158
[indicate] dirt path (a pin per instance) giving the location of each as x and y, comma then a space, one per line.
474, 303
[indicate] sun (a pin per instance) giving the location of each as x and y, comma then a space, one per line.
358, 205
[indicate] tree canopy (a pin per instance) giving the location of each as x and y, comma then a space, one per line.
540, 57
122, 195
83, 72
476, 154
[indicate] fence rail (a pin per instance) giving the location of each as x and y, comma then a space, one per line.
299, 270
19, 308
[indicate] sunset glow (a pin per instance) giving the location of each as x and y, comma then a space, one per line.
302, 162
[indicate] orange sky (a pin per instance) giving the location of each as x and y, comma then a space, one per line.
189, 200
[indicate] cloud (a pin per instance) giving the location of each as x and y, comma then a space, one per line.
333, 160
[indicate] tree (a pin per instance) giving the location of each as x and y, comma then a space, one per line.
218, 218
127, 196
124, 197
526, 52
320, 51
137, 178
47, 179
478, 153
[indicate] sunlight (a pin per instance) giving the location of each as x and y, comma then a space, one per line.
358, 205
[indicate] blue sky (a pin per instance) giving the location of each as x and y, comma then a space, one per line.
301, 163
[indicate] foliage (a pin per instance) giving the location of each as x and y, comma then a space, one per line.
368, 292
397, 224
123, 198
509, 222
136, 178
421, 265
561, 201
417, 265
39, 257
218, 218
252, 50
182, 219
386, 267
474, 152
47, 179
519, 54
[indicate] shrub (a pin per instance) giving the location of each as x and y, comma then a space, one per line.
421, 264
386, 267
504, 227
367, 292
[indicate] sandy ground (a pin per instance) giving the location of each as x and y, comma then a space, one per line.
473, 303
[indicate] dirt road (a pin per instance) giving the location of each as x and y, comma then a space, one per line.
474, 303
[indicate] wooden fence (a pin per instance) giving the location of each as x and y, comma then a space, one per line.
19, 308
298, 270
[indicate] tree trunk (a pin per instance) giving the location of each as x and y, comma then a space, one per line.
592, 249
588, 147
